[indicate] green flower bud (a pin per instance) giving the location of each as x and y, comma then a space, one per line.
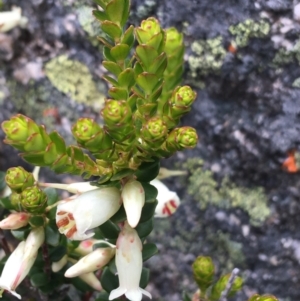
99, 143
183, 96
220, 286
18, 129
116, 113
17, 178
187, 137
203, 271
148, 29
154, 132
174, 40
34, 200
84, 129
15, 199
267, 298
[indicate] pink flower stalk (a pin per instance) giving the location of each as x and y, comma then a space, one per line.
15, 221
168, 201
21, 260
133, 196
87, 211
129, 265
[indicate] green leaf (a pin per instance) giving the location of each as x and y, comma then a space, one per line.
81, 285
148, 171
2, 180
52, 234
103, 297
57, 253
128, 36
20, 234
112, 67
37, 221
100, 245
109, 230
144, 277
35, 158
119, 52
138, 69
106, 53
120, 216
117, 11
122, 174
52, 196
118, 93
147, 81
6, 203
159, 65
157, 42
148, 211
101, 3
100, 15
149, 250
39, 279
59, 142
111, 29
126, 78
108, 280
110, 80
150, 192
146, 55
144, 229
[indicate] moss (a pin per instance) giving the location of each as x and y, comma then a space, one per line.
208, 56
249, 29
74, 79
206, 190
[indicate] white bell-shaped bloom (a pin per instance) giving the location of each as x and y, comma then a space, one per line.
11, 19
87, 211
129, 265
15, 221
91, 262
133, 196
168, 201
20, 261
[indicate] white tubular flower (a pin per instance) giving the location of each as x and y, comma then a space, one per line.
91, 280
79, 187
86, 246
20, 261
11, 19
91, 262
58, 265
168, 201
15, 221
133, 196
87, 211
129, 264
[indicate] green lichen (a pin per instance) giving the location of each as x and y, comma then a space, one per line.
145, 9
208, 56
248, 29
206, 190
228, 252
89, 24
286, 56
74, 79
296, 83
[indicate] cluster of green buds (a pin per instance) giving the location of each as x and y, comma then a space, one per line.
204, 274
25, 194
